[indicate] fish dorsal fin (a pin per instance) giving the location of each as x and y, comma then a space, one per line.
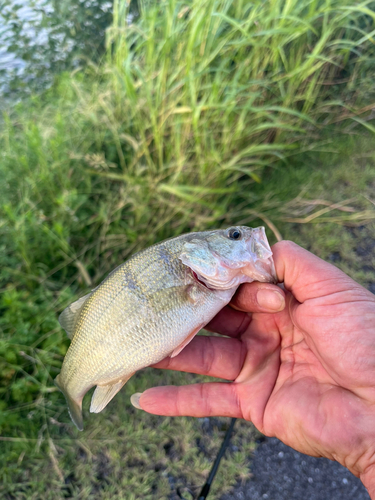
68, 318
104, 393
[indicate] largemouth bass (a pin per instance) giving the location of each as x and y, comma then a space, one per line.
151, 307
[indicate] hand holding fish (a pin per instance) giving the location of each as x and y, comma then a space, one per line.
305, 374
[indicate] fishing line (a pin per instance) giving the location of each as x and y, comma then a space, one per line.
207, 485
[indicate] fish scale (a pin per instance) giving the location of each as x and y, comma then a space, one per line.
151, 306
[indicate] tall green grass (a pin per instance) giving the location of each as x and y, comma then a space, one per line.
168, 134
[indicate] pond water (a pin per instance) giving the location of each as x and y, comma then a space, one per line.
20, 20
41, 37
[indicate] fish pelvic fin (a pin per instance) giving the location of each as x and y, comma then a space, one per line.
104, 393
68, 318
74, 406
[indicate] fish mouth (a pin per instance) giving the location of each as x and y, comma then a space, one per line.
199, 280
214, 286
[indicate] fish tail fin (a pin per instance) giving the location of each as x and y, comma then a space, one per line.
74, 406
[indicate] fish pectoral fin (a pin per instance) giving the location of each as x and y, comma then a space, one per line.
68, 318
188, 339
104, 393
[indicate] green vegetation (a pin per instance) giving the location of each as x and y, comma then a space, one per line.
324, 201
203, 114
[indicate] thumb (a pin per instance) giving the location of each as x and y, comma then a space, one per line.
306, 275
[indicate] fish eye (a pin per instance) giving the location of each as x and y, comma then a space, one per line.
234, 234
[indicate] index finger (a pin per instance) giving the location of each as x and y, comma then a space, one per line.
196, 400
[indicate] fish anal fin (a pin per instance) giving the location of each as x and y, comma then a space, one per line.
188, 339
68, 318
104, 393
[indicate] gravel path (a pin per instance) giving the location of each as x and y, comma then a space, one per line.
280, 473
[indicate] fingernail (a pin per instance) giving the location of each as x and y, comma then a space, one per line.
270, 300
134, 399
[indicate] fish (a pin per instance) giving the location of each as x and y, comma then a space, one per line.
152, 306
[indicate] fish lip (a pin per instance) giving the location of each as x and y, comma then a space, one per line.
268, 277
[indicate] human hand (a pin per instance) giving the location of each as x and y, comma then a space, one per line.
305, 374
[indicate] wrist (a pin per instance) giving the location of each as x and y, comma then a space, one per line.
368, 479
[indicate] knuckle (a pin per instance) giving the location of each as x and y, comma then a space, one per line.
208, 356
237, 402
205, 399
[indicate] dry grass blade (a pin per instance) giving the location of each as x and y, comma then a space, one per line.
52, 452
341, 206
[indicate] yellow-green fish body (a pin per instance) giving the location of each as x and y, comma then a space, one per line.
151, 306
